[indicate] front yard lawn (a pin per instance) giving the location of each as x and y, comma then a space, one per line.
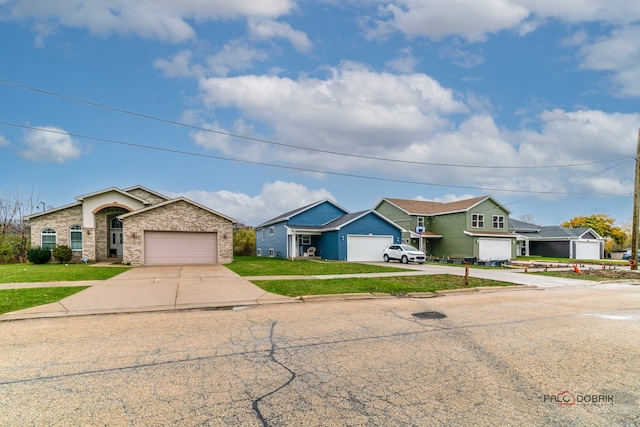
18, 299
391, 285
262, 266
27, 273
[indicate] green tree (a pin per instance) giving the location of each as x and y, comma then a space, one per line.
601, 224
244, 241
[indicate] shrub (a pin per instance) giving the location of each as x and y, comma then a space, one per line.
38, 255
62, 253
10, 249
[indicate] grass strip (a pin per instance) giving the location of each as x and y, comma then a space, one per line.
18, 299
262, 266
30, 273
391, 285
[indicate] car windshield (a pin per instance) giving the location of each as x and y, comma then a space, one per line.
408, 248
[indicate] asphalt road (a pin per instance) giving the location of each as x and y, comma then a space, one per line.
528, 357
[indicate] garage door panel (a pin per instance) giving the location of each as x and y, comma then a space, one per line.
173, 247
494, 249
367, 248
587, 250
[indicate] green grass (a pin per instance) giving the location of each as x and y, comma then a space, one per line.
18, 299
27, 273
262, 266
391, 285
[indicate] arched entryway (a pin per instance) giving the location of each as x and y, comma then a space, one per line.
109, 232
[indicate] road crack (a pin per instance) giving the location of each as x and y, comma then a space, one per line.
256, 403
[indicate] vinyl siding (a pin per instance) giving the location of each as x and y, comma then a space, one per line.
455, 243
368, 224
319, 215
277, 241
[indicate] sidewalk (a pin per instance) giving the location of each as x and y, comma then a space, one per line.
155, 288
159, 288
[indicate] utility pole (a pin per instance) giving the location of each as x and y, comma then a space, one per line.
636, 197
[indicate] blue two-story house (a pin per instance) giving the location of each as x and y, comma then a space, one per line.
328, 231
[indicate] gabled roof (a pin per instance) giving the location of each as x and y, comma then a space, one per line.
428, 208
521, 226
112, 189
46, 212
169, 202
342, 221
140, 187
288, 215
556, 232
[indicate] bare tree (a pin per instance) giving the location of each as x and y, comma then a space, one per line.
15, 232
528, 218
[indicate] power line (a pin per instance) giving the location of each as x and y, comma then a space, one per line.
281, 144
296, 168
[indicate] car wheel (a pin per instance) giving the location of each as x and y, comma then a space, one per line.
421, 263
405, 260
386, 258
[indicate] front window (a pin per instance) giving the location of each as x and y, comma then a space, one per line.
263, 234
116, 223
272, 253
259, 252
498, 221
477, 221
420, 221
48, 238
272, 231
306, 239
76, 238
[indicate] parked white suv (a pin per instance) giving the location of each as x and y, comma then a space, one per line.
404, 254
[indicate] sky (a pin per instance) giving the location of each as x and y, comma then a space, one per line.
255, 108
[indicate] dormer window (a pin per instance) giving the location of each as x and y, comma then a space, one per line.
477, 221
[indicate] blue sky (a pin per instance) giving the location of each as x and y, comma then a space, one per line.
256, 108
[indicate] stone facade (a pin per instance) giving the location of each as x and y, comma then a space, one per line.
176, 216
61, 221
150, 197
161, 214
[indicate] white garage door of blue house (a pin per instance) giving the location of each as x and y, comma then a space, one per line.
367, 248
174, 247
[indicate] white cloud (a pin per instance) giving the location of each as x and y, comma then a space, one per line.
165, 20
353, 109
268, 29
619, 54
470, 19
234, 56
52, 145
179, 65
275, 198
3, 141
461, 57
475, 20
404, 63
575, 11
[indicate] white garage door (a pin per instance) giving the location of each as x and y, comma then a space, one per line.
588, 250
494, 249
173, 247
367, 248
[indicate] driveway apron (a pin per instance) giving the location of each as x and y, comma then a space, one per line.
153, 288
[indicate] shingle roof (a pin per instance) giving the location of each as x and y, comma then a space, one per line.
422, 207
285, 216
557, 232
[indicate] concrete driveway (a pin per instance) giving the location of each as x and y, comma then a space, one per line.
153, 288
